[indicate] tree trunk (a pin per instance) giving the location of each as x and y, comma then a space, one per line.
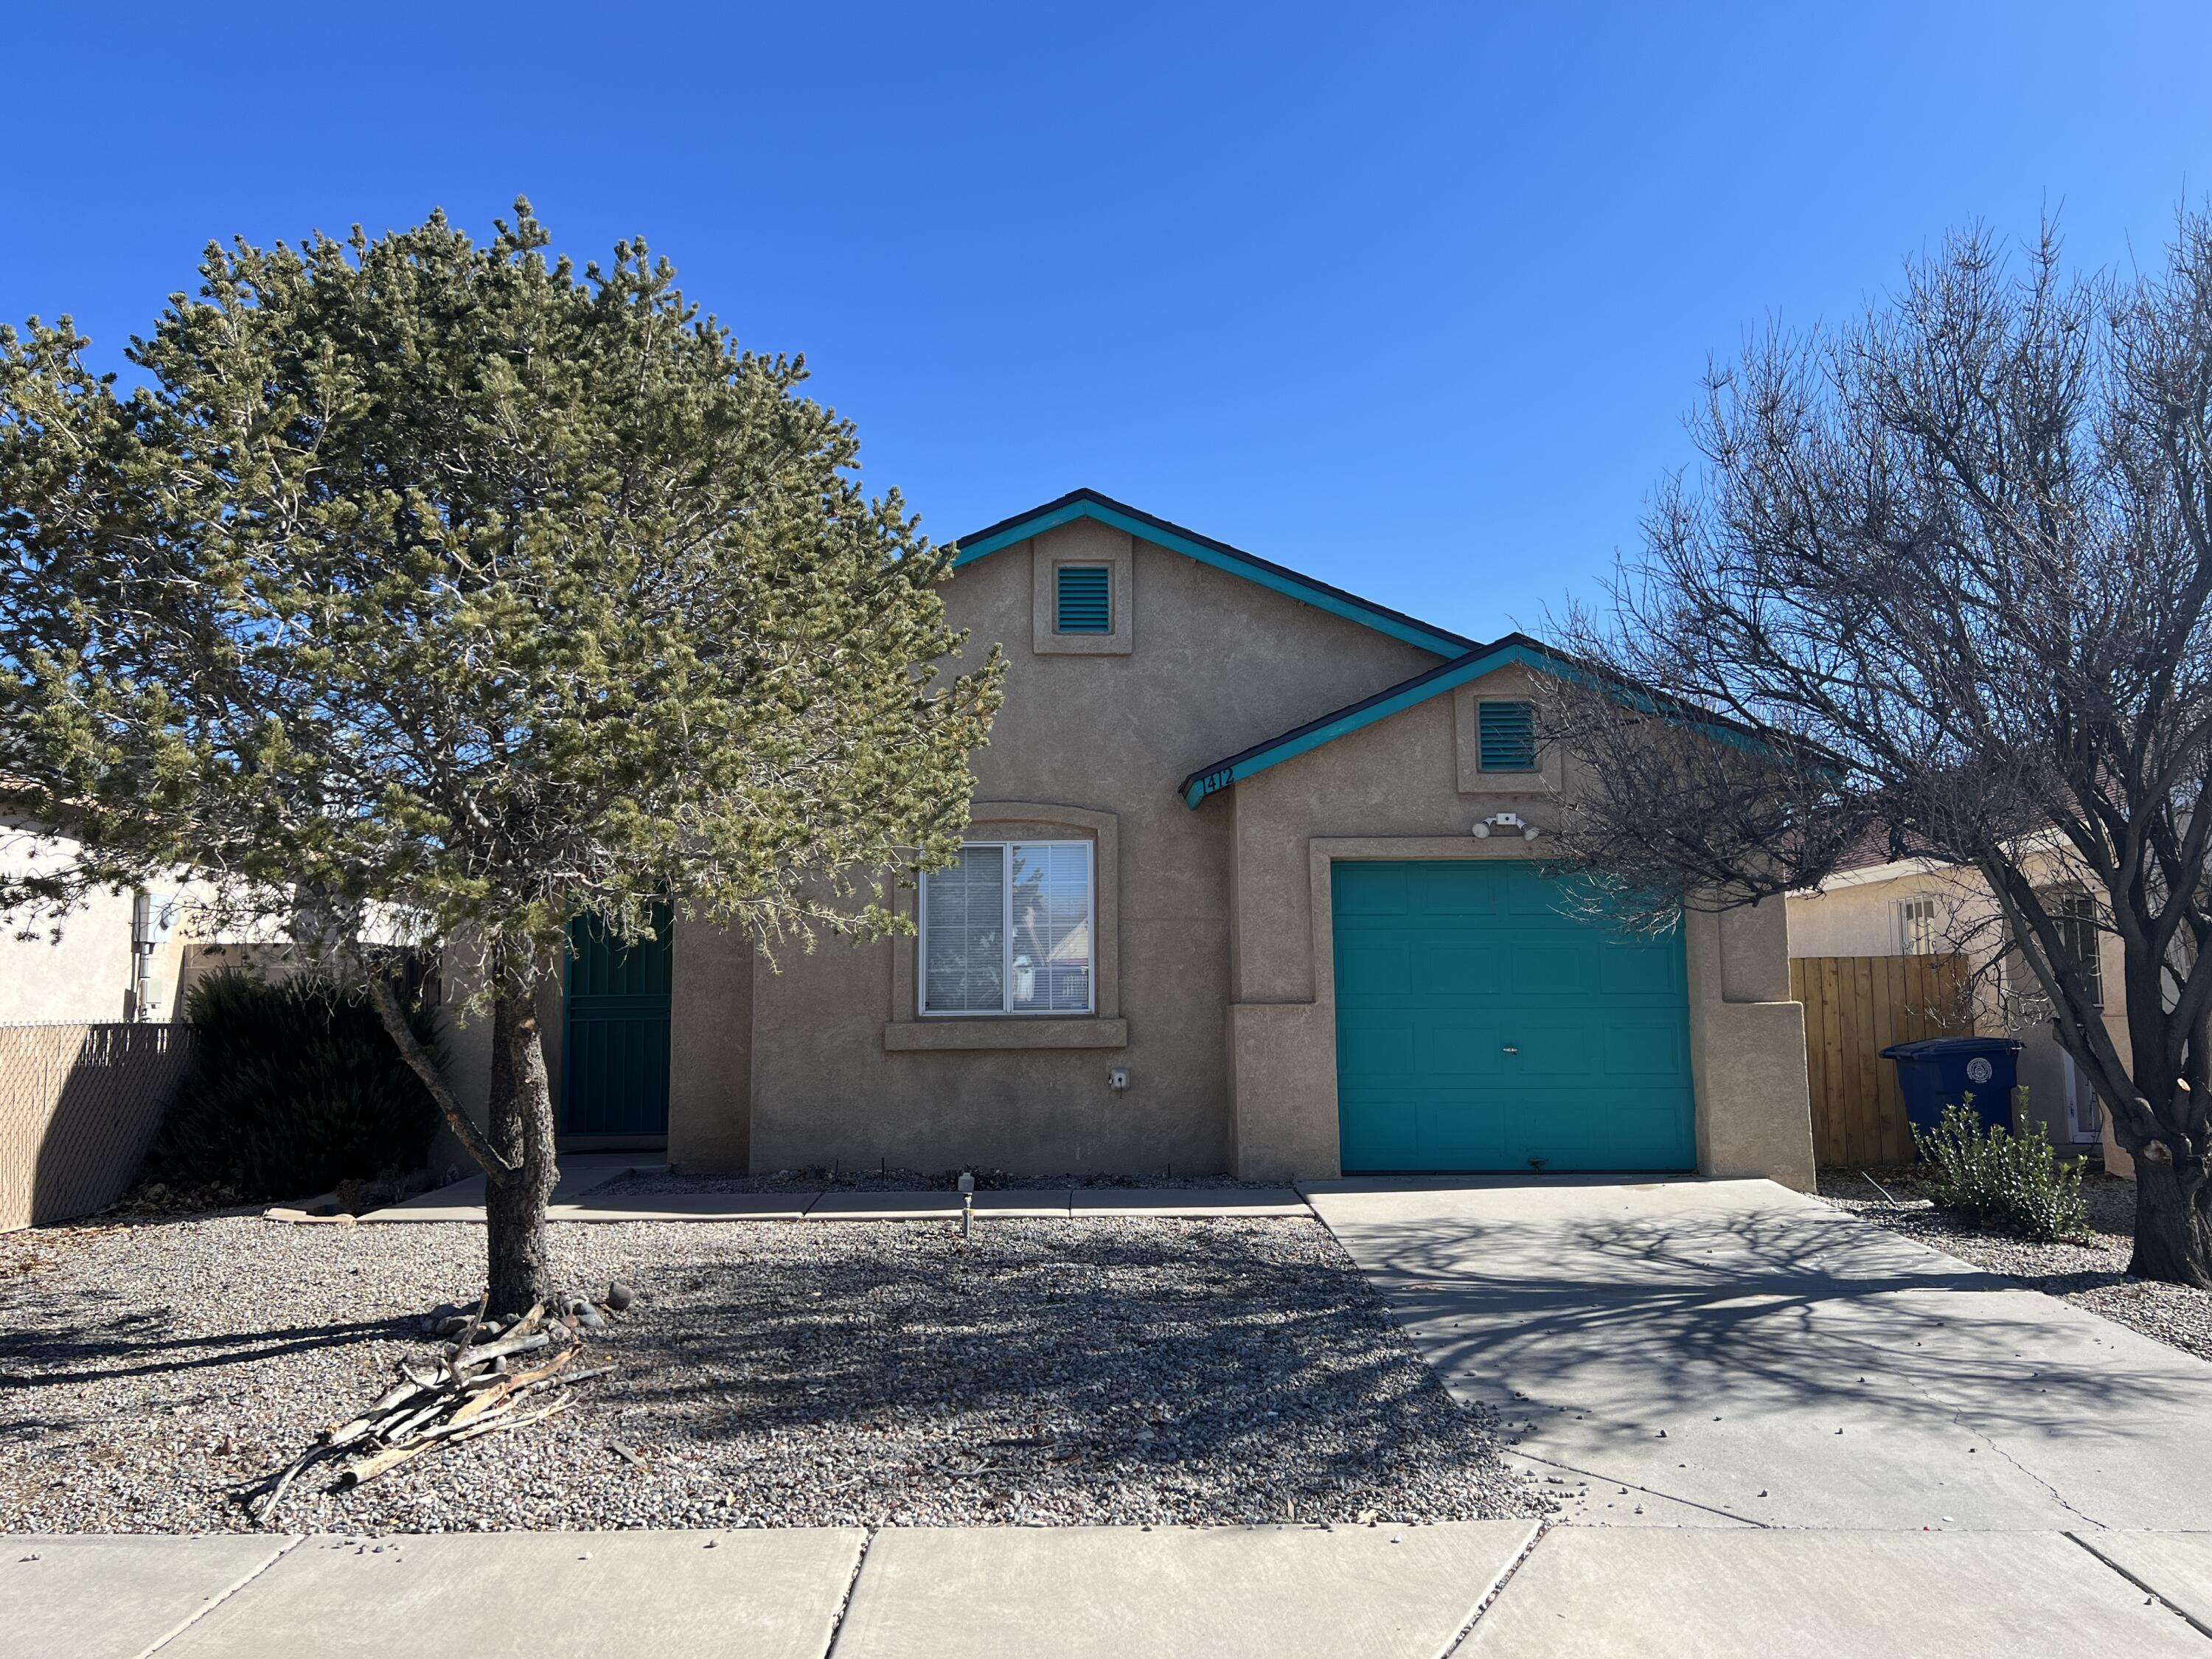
522, 1133
2173, 1229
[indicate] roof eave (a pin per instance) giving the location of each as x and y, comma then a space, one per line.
1220, 556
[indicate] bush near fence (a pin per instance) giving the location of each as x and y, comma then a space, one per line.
79, 1106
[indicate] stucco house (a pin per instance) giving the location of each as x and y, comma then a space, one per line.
1254, 882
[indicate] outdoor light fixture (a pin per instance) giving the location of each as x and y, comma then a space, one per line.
1505, 820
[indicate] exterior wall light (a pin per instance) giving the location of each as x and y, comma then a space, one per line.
1505, 820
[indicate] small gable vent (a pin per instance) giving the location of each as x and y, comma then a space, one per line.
1085, 595
1508, 736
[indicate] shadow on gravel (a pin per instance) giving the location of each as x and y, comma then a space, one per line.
143, 1344
1111, 1357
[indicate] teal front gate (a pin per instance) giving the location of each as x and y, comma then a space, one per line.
614, 1071
1479, 1027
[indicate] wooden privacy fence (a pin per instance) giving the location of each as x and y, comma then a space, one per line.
1855, 1007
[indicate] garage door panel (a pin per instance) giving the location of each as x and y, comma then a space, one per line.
1477, 957
1642, 1045
1441, 967
1457, 1129
1372, 889
1376, 1043
1450, 889
1374, 970
1589, 1131
1381, 1130
1640, 967
1548, 1046
1565, 970
1526, 891
1447, 1049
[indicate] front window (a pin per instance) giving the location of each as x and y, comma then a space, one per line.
1007, 929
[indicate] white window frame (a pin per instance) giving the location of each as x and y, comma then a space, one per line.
1006, 1009
1916, 927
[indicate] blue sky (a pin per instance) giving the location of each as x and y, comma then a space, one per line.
1413, 298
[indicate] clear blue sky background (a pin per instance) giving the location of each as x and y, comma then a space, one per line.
1410, 297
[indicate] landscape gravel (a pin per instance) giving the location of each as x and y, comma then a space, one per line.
1044, 1372
2092, 1274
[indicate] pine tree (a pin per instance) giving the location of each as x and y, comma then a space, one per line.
432, 594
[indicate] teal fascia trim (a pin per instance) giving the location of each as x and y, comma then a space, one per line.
1213, 782
1259, 760
1443, 645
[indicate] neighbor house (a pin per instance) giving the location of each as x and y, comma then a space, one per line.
1255, 881
118, 956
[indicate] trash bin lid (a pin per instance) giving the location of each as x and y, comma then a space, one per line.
1936, 1047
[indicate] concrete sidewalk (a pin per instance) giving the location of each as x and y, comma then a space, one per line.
579, 1197
1112, 1593
1730, 1354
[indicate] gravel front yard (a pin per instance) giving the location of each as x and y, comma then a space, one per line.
1045, 1372
2093, 1275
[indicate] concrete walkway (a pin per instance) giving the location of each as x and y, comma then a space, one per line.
1734, 1354
1097, 1593
578, 1197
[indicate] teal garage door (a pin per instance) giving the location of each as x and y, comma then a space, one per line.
614, 1072
1478, 1027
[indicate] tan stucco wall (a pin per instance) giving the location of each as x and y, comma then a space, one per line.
84, 977
710, 1023
1214, 664
1394, 790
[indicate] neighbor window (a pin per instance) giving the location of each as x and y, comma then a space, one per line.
1508, 736
1007, 930
1084, 598
1916, 927
2075, 913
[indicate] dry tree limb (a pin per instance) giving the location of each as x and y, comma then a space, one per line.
265, 1513
400, 1397
490, 1351
520, 1383
468, 1335
491, 1422
481, 1427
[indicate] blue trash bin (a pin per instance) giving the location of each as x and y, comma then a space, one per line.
1939, 1071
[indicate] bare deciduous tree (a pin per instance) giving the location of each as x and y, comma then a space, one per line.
1954, 562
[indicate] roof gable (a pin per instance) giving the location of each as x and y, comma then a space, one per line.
1446, 677
1306, 590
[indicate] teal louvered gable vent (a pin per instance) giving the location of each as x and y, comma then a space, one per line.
1084, 594
1508, 736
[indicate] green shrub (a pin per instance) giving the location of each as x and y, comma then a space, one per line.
2014, 1183
295, 1087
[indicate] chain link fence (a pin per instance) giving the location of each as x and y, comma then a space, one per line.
79, 1106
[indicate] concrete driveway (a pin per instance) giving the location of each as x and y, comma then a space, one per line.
1732, 1353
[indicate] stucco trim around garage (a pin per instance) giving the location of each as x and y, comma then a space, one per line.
1514, 648
1090, 504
